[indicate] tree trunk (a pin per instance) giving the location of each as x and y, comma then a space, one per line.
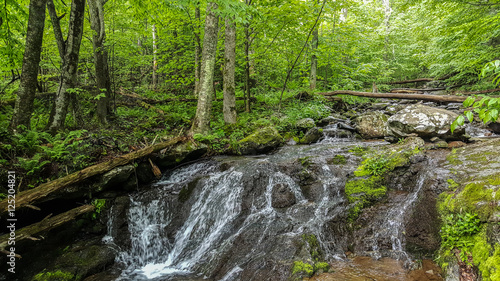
31, 60
155, 50
69, 66
197, 51
96, 11
201, 122
314, 59
229, 68
435, 98
247, 68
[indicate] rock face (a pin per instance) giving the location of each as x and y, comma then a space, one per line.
425, 121
372, 125
262, 141
282, 196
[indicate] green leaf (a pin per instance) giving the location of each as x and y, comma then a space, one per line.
469, 101
469, 115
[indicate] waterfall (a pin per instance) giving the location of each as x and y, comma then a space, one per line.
227, 224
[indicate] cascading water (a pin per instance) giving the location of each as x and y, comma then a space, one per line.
216, 219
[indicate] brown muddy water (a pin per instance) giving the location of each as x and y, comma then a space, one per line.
384, 269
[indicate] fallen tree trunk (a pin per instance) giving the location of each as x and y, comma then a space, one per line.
412, 81
396, 90
435, 98
28, 197
48, 223
143, 102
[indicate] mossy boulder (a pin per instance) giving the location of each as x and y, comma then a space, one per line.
372, 125
305, 124
78, 261
261, 141
474, 191
312, 136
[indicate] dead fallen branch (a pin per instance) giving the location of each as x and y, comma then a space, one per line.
396, 90
434, 98
37, 194
412, 81
29, 232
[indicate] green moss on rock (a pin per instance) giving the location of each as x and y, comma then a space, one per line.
303, 269
261, 141
55, 276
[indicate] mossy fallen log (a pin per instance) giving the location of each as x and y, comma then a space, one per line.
37, 194
434, 98
46, 224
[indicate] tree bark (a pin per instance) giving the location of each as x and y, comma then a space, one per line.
44, 190
314, 59
69, 66
201, 122
23, 108
103, 81
155, 63
247, 67
229, 104
197, 50
435, 98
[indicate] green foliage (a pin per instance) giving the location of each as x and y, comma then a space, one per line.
299, 267
99, 205
457, 230
487, 110
377, 166
492, 69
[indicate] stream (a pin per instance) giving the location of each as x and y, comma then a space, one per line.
250, 218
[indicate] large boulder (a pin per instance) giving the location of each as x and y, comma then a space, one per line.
424, 121
372, 125
261, 141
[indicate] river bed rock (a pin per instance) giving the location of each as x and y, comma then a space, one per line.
425, 121
372, 125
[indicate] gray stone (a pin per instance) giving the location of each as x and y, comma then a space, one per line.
116, 176
372, 125
282, 196
425, 121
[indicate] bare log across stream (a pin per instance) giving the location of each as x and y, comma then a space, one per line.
28, 197
46, 224
434, 98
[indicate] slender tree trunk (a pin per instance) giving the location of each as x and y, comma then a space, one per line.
201, 122
314, 59
388, 12
155, 50
69, 66
229, 107
96, 11
247, 68
197, 51
31, 60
